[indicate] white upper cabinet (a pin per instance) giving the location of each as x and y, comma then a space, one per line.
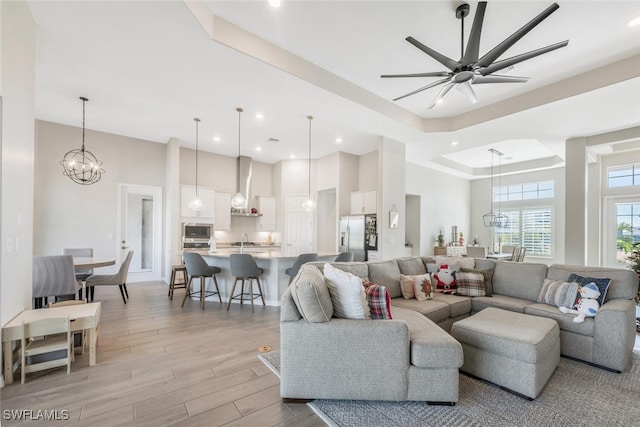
207, 212
266, 206
223, 211
364, 202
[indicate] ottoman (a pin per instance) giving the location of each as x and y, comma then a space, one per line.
516, 351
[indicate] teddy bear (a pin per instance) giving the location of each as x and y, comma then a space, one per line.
445, 280
587, 303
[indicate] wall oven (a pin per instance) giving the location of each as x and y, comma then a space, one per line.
196, 237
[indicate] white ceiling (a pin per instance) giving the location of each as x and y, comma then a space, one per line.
148, 68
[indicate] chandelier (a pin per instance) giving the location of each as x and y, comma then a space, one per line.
309, 204
495, 219
81, 165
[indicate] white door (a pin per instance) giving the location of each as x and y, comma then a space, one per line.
299, 238
140, 230
621, 224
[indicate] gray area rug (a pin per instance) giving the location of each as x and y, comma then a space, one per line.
577, 395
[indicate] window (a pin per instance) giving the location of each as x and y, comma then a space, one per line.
628, 229
528, 191
528, 227
623, 176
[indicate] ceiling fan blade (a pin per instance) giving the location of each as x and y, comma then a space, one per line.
493, 78
434, 74
444, 60
497, 66
468, 90
501, 48
439, 82
445, 89
473, 46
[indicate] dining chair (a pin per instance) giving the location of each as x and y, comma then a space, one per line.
119, 279
301, 259
518, 254
79, 338
508, 249
53, 276
244, 267
81, 275
476, 251
197, 267
345, 257
42, 337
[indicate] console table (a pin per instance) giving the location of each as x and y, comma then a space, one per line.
450, 250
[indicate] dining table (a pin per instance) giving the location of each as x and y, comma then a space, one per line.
81, 316
88, 263
500, 256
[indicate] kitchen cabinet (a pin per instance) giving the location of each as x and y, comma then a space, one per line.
208, 197
223, 211
364, 202
266, 206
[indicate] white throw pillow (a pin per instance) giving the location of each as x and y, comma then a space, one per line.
347, 294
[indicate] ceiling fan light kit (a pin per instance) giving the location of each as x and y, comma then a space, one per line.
472, 69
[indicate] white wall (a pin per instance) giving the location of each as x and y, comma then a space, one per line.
368, 173
391, 165
348, 182
67, 214
445, 200
17, 71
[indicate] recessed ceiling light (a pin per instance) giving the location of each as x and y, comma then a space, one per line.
259, 116
275, 3
454, 143
258, 148
338, 140
440, 101
292, 156
635, 21
217, 139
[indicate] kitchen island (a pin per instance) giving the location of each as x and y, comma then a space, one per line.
274, 280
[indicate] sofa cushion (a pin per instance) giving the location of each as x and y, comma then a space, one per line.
379, 300
411, 266
387, 274
311, 295
500, 301
558, 293
455, 260
431, 346
458, 305
565, 321
359, 269
347, 294
624, 283
519, 279
437, 311
488, 278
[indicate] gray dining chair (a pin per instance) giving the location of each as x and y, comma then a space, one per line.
345, 257
81, 275
119, 279
197, 267
301, 259
53, 276
518, 254
476, 251
244, 267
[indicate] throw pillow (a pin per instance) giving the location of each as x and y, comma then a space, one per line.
347, 294
601, 283
406, 287
419, 285
488, 277
470, 284
379, 300
445, 280
311, 295
558, 293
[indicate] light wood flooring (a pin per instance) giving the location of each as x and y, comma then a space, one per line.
162, 365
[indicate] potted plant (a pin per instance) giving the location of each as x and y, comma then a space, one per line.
440, 239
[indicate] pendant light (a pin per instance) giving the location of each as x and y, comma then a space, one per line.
239, 201
309, 204
80, 165
196, 202
495, 219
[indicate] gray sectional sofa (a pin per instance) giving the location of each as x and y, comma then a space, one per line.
413, 357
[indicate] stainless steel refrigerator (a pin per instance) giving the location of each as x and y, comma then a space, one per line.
354, 235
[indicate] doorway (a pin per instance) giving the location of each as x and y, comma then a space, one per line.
299, 228
140, 230
621, 224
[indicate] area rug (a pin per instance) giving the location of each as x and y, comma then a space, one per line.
577, 395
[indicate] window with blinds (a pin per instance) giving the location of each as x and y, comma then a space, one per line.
528, 227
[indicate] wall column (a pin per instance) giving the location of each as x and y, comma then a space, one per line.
575, 201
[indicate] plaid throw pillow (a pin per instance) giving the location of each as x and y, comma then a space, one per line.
379, 300
470, 284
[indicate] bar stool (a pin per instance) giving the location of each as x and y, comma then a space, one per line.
176, 282
244, 267
198, 267
301, 259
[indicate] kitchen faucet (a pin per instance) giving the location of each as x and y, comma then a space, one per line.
242, 241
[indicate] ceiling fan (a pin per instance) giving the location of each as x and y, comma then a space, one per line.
471, 69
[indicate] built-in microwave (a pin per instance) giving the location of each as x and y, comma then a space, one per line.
191, 231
